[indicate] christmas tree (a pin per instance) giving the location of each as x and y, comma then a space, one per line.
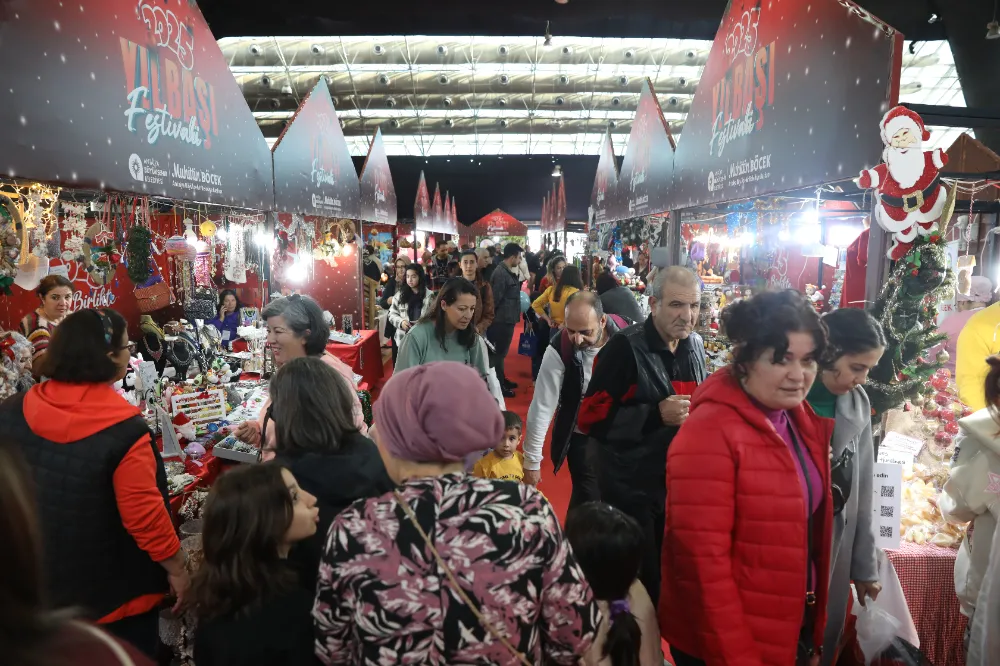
907, 310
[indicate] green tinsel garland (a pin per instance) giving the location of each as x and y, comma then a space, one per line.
907, 310
138, 254
366, 407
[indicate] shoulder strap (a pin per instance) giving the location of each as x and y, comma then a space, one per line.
565, 349
620, 321
120, 654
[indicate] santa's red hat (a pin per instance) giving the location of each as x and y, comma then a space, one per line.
900, 117
181, 419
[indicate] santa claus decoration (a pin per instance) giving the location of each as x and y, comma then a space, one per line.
911, 196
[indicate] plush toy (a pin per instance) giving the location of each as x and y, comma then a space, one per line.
911, 197
184, 427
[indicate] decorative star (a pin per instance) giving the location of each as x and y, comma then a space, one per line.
994, 485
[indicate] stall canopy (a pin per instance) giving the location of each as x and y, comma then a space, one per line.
499, 223
127, 96
647, 169
422, 214
790, 98
313, 170
378, 196
602, 199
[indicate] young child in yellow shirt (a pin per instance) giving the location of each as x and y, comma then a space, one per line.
504, 461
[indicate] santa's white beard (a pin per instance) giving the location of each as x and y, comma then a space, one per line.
905, 166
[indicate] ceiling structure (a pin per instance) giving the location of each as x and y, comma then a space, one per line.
504, 95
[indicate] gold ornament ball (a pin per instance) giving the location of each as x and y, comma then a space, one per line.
942, 356
918, 400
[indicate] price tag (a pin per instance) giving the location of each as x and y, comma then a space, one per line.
894, 457
887, 490
897, 442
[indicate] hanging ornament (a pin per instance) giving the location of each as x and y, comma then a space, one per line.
74, 227
207, 228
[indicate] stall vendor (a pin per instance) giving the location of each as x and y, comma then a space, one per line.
229, 317
56, 294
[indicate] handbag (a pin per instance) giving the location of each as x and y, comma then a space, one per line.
489, 626
154, 294
527, 344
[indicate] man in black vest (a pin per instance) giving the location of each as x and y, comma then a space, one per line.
562, 381
637, 399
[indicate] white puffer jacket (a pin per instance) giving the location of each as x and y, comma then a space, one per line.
972, 493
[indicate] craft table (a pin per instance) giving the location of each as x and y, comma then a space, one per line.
927, 575
364, 356
204, 476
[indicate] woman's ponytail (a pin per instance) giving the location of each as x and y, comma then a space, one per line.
624, 638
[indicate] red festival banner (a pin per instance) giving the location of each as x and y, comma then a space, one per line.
454, 215
446, 216
378, 196
790, 98
313, 170
647, 170
127, 95
422, 216
545, 214
437, 211
602, 198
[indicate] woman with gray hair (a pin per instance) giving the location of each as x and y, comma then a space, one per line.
295, 328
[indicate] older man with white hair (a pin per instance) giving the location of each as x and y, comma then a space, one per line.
637, 399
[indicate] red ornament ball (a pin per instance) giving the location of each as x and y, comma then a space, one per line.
951, 427
930, 411
947, 415
935, 238
939, 382
942, 399
914, 272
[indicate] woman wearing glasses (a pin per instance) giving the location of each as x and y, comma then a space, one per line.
855, 346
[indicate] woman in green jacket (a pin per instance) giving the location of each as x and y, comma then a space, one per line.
446, 332
856, 345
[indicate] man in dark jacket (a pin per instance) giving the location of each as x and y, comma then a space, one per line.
637, 399
617, 299
506, 311
559, 389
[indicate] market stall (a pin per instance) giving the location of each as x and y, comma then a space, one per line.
628, 209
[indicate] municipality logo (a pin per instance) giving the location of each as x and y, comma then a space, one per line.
135, 167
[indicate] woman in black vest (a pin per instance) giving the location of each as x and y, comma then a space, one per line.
30, 632
110, 548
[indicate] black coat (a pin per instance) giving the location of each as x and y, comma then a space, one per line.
621, 302
337, 480
279, 631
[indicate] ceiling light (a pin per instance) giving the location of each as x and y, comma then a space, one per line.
502, 101
556, 171
255, 50
682, 81
391, 103
442, 50
623, 80
444, 80
560, 101
394, 123
384, 79
566, 50
503, 49
286, 90
548, 36
448, 101
503, 122
265, 81
993, 30
563, 79
629, 53
317, 49
612, 124
448, 122
933, 18
673, 101
274, 103
504, 80
616, 101
378, 49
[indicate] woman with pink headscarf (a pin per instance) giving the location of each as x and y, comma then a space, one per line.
448, 568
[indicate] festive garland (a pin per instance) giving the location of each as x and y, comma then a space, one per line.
138, 252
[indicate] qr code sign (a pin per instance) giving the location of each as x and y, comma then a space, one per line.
885, 531
889, 491
887, 511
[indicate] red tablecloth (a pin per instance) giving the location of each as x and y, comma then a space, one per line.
204, 475
365, 356
927, 574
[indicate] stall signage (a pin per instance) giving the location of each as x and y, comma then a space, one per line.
887, 491
378, 196
313, 170
127, 96
790, 98
647, 168
422, 216
602, 198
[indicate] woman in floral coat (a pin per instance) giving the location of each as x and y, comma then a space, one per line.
448, 569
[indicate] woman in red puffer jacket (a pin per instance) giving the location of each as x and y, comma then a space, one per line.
746, 552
